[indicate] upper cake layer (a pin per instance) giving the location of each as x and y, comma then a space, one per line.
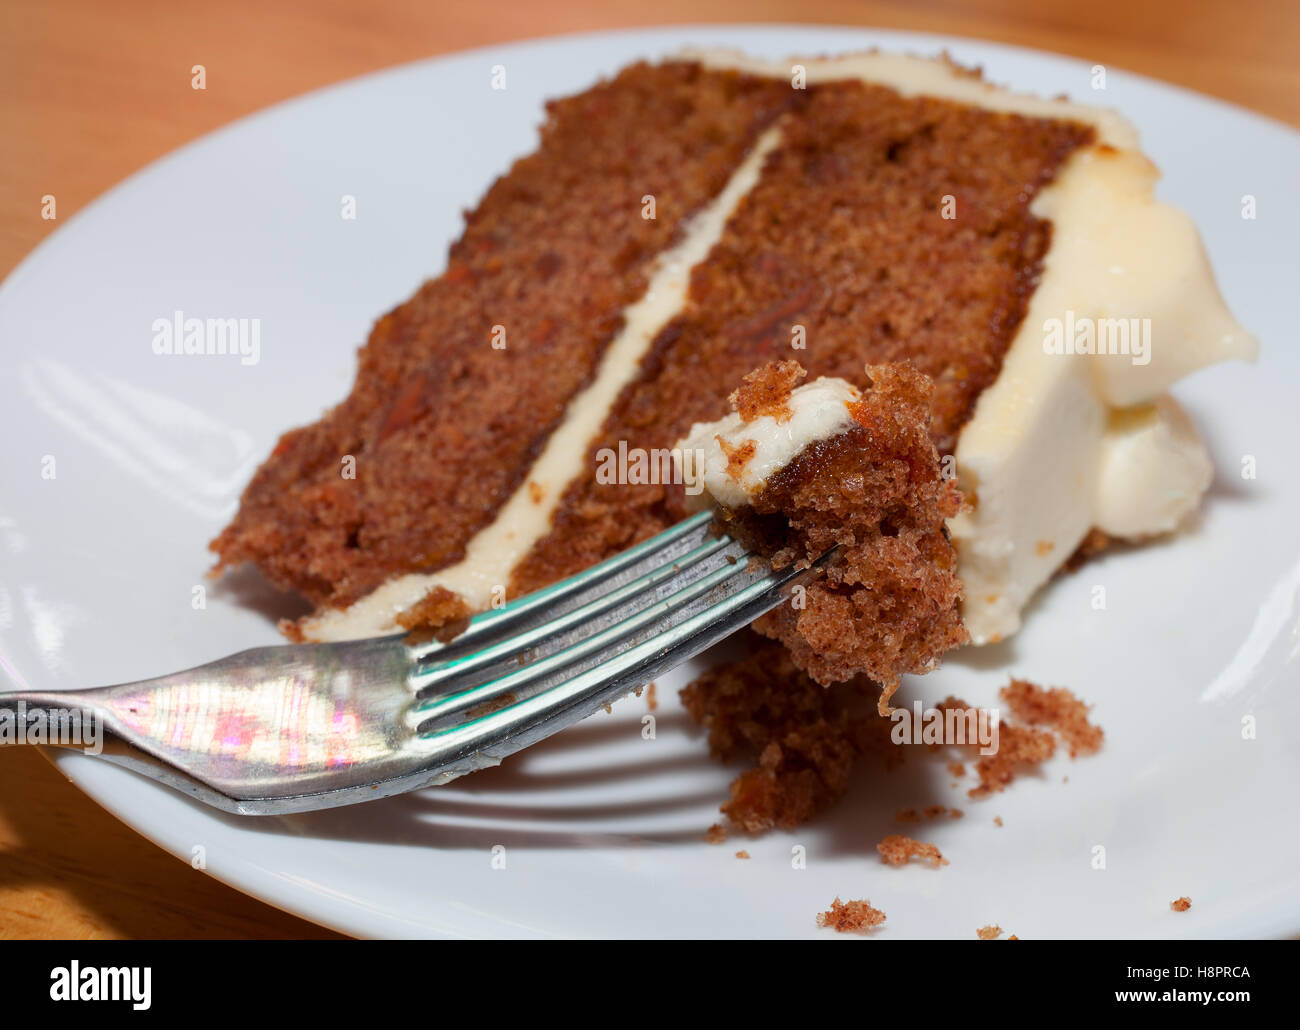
684, 223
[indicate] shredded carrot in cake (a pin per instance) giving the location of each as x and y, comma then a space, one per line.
738, 455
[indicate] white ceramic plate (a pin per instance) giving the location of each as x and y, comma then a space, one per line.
601, 829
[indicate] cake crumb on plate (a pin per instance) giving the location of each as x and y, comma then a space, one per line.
851, 916
897, 850
1057, 708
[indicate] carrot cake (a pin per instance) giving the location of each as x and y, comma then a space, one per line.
684, 223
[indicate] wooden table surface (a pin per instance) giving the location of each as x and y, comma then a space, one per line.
91, 91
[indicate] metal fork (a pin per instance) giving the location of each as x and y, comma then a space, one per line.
301, 727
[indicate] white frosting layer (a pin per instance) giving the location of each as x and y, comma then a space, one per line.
492, 554
1153, 470
921, 76
1048, 454
818, 411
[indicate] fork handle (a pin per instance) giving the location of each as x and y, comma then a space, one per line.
60, 720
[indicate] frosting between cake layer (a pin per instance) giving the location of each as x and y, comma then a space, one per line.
817, 411
492, 554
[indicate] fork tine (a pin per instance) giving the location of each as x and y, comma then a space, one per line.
484, 741
447, 671
652, 616
526, 611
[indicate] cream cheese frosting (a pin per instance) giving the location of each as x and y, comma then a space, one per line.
816, 411
1053, 448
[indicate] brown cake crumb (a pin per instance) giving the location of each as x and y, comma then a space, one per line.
1092, 545
1181, 905
1018, 747
716, 834
807, 738
651, 698
1058, 708
897, 850
766, 391
989, 933
495, 704
851, 916
911, 815
738, 455
439, 609
888, 603
957, 769
742, 854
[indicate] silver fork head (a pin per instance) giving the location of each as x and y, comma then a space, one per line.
300, 727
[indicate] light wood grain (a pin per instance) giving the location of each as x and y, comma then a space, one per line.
90, 91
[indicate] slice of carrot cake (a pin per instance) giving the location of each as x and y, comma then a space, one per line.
684, 223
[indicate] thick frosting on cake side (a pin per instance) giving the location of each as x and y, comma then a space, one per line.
1051, 451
